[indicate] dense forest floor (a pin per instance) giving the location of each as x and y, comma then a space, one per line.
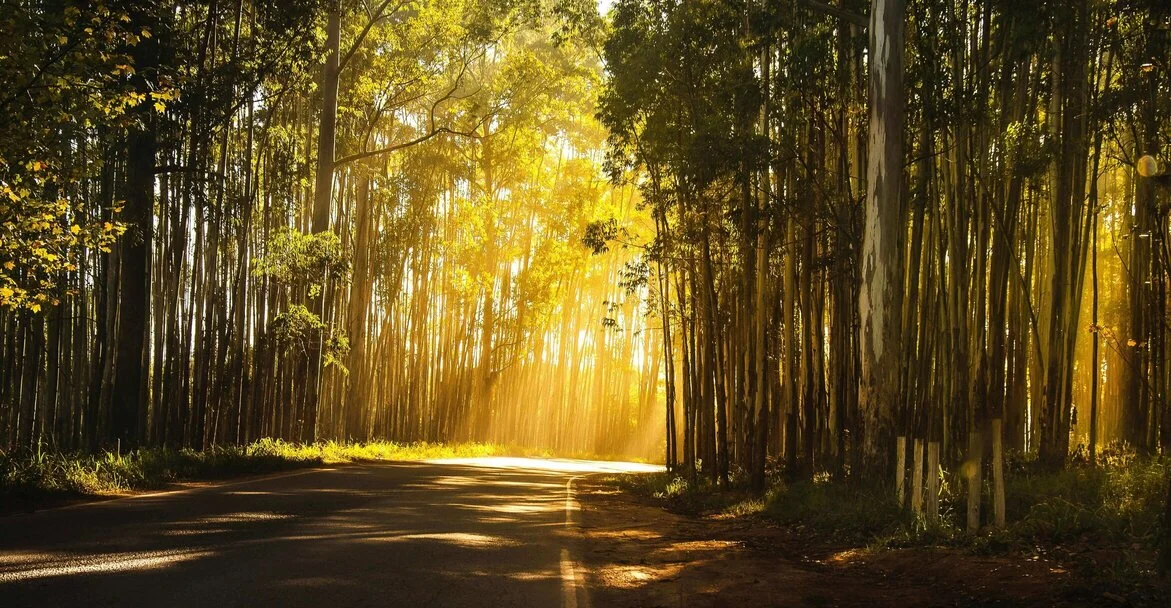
32, 480
655, 542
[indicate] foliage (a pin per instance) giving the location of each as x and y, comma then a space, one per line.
294, 257
66, 72
297, 329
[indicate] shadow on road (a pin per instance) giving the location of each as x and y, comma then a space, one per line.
441, 533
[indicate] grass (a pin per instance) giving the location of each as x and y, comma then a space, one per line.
1117, 504
1121, 502
699, 497
1103, 523
37, 475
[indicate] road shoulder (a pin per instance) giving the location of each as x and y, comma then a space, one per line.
638, 554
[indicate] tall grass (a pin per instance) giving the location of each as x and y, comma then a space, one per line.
1121, 501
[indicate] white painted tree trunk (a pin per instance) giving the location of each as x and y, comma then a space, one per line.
973, 471
998, 471
901, 469
917, 478
933, 482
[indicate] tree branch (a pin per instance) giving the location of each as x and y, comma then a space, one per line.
378, 15
396, 147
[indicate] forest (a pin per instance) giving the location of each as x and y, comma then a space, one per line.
882, 247
748, 239
232, 220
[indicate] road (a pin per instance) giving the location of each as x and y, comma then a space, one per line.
474, 532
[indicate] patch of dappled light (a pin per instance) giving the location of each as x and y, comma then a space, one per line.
234, 518
518, 508
500, 519
317, 581
524, 508
7, 559
107, 563
539, 575
630, 534
704, 545
632, 577
532, 576
521, 484
459, 539
348, 492
195, 531
845, 557
557, 465
454, 480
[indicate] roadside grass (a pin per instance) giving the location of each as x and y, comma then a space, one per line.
698, 497
1105, 520
44, 475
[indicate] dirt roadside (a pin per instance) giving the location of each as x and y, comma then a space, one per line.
639, 555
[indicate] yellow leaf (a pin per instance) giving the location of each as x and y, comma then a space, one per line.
75, 229
160, 107
9, 265
6, 292
35, 307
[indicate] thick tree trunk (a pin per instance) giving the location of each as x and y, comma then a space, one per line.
881, 288
131, 373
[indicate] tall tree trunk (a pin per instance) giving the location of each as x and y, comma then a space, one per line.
881, 289
133, 298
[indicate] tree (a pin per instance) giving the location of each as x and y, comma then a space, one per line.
882, 286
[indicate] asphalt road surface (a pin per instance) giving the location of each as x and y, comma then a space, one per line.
474, 532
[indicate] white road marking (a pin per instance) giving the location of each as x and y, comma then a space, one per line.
572, 574
568, 581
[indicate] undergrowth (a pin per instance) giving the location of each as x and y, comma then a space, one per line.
41, 473
1118, 503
